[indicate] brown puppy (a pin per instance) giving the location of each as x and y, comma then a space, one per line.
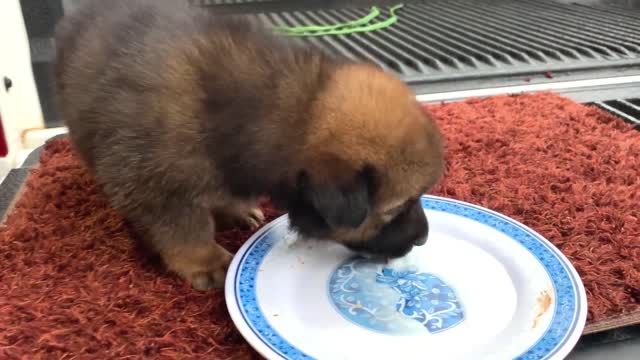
186, 118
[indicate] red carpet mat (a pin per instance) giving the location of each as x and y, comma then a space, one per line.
72, 284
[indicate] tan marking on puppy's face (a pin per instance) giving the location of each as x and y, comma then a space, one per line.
370, 153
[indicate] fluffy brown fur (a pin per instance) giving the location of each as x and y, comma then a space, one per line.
186, 118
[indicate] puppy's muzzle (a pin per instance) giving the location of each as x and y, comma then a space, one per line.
420, 241
410, 228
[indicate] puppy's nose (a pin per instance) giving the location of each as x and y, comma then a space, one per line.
420, 241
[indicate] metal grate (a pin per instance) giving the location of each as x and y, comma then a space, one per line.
461, 39
629, 109
437, 45
225, 2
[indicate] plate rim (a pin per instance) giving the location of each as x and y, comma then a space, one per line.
559, 351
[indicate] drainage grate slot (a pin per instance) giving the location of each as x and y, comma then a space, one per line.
628, 109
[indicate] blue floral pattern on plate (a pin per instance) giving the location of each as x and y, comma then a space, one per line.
565, 318
394, 301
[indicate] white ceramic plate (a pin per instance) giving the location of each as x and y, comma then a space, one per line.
483, 287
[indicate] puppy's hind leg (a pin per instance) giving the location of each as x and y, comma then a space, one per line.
185, 241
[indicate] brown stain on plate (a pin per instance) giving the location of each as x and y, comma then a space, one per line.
544, 302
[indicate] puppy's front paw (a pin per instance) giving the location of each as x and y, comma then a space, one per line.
239, 215
212, 279
254, 217
204, 267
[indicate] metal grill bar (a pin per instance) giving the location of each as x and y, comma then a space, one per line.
612, 17
599, 26
529, 27
225, 2
629, 109
463, 39
495, 32
549, 25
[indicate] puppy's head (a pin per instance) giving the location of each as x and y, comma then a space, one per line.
370, 154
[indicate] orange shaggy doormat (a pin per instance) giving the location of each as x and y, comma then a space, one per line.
72, 285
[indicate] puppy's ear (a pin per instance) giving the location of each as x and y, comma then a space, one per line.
341, 205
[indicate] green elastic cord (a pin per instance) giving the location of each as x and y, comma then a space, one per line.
344, 28
317, 28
